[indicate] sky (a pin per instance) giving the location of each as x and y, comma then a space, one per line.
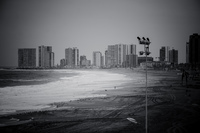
92, 25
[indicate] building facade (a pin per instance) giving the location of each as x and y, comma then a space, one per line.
131, 56
27, 58
121, 55
84, 62
164, 53
72, 57
143, 59
46, 57
187, 52
111, 56
173, 56
194, 49
97, 59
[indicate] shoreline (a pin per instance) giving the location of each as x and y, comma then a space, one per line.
171, 107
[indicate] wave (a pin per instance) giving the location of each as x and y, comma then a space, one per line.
24, 80
62, 90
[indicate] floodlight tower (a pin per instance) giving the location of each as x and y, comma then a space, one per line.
146, 42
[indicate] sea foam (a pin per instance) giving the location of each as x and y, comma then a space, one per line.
33, 97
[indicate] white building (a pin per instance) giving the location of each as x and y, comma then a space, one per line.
97, 59
72, 57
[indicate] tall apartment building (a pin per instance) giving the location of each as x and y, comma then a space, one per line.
72, 57
97, 59
121, 55
111, 59
173, 56
27, 58
131, 56
46, 57
116, 55
84, 62
164, 53
187, 52
193, 49
106, 58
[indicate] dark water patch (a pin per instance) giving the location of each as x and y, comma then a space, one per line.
28, 77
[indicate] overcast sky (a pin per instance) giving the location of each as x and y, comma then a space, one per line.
92, 25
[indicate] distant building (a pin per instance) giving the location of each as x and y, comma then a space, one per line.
131, 57
72, 57
27, 58
131, 60
149, 64
164, 53
46, 57
111, 59
102, 61
143, 59
62, 63
84, 62
106, 58
187, 52
116, 55
97, 59
194, 49
88, 63
173, 56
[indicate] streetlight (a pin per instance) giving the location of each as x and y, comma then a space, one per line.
146, 42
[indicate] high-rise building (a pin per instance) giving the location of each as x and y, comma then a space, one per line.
121, 55
69, 57
187, 52
106, 58
131, 49
84, 62
72, 57
76, 56
111, 56
102, 61
27, 58
46, 57
131, 57
173, 56
97, 59
164, 53
194, 49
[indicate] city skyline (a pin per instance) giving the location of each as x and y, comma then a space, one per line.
93, 25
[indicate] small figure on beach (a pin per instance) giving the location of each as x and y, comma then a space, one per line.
184, 74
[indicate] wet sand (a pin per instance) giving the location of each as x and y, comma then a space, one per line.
172, 108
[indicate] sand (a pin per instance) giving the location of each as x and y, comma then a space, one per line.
172, 108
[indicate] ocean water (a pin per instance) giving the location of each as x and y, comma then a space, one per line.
22, 90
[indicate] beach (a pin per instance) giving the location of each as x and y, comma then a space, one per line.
115, 106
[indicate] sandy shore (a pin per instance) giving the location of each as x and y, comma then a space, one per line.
172, 108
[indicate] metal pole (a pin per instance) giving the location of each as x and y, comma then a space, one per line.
146, 88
